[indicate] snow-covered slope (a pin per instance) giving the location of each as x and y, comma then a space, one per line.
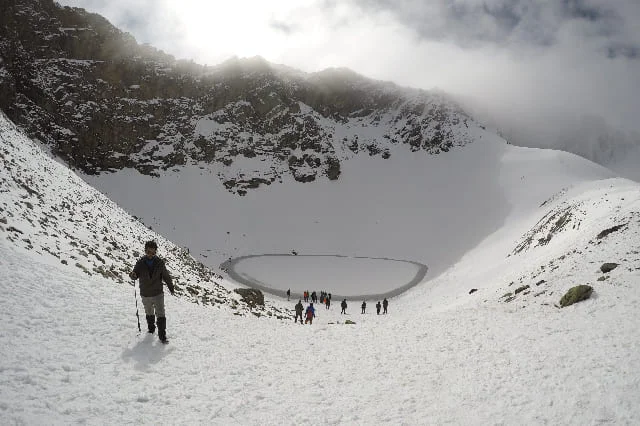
47, 209
70, 352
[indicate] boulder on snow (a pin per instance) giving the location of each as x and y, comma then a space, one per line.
251, 296
576, 294
610, 230
349, 322
606, 267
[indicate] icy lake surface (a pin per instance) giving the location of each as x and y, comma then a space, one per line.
343, 276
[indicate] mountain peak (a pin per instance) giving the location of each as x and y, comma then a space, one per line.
102, 103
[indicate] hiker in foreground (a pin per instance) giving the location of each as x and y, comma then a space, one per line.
299, 308
151, 271
310, 314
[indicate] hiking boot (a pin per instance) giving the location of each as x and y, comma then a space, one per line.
162, 329
151, 323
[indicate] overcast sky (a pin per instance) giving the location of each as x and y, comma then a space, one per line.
541, 68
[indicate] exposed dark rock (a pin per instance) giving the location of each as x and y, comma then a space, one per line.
251, 296
610, 230
333, 168
576, 294
473, 290
521, 289
255, 182
608, 267
550, 225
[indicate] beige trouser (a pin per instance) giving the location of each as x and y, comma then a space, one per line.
156, 302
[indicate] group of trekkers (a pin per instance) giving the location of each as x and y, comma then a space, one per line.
385, 305
152, 272
324, 296
325, 299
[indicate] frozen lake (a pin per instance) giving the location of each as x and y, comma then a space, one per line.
342, 276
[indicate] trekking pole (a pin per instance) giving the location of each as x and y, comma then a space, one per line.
137, 315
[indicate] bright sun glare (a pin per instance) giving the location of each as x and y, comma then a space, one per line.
244, 27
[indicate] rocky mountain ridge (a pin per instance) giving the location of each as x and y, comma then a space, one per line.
102, 102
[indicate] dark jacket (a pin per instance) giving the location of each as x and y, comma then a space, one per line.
151, 277
299, 308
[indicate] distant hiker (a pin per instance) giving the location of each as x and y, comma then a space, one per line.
151, 271
288, 294
299, 308
385, 303
314, 297
378, 306
329, 296
364, 306
310, 314
344, 306
327, 302
306, 296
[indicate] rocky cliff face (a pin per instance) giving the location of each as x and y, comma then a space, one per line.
102, 102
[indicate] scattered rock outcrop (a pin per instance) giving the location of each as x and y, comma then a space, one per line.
251, 296
47, 209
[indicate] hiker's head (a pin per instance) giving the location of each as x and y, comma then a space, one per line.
150, 248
